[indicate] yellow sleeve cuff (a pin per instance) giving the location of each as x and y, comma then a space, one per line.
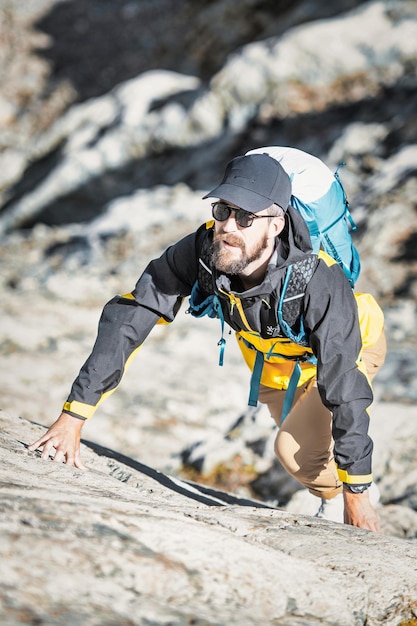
79, 408
357, 479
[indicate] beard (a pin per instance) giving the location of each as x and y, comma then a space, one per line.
227, 262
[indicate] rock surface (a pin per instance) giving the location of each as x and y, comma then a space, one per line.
113, 546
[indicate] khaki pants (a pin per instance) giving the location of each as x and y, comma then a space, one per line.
304, 444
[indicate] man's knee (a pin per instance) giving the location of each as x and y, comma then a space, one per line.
317, 472
285, 450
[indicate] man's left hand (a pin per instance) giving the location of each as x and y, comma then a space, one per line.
360, 512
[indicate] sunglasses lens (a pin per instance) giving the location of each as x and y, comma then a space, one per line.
221, 211
243, 218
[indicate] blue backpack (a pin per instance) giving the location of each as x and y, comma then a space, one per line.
318, 195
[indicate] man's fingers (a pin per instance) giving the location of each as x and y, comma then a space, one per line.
45, 441
37, 444
375, 526
60, 457
79, 464
48, 445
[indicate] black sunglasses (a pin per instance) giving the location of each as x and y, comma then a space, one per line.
222, 211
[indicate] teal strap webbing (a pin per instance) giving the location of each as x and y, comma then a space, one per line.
222, 341
222, 344
290, 393
255, 380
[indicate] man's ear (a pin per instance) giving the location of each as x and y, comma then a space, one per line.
276, 225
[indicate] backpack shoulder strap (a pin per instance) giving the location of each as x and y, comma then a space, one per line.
205, 273
290, 318
203, 293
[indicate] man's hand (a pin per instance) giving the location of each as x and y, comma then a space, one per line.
360, 512
64, 435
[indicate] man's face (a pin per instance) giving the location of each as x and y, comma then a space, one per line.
234, 247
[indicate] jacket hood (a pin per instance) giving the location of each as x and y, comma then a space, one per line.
295, 238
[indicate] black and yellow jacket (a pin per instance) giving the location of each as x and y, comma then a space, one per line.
331, 321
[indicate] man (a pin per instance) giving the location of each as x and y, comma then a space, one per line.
237, 265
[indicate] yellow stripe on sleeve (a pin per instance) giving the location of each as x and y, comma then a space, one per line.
358, 479
79, 408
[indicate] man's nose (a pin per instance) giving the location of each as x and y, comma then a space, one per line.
230, 225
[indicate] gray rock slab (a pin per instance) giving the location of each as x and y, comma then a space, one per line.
113, 546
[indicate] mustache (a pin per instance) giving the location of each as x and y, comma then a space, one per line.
232, 239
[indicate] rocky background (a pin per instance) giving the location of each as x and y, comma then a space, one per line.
115, 118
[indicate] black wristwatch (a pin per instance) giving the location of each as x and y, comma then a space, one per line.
356, 488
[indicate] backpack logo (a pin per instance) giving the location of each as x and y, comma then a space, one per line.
272, 331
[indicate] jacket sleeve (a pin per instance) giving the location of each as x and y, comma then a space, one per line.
331, 319
127, 320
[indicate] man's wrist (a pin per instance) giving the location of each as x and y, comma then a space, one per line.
355, 488
79, 417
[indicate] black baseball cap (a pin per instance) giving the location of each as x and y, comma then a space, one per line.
253, 182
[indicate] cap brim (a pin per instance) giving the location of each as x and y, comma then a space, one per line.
243, 198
